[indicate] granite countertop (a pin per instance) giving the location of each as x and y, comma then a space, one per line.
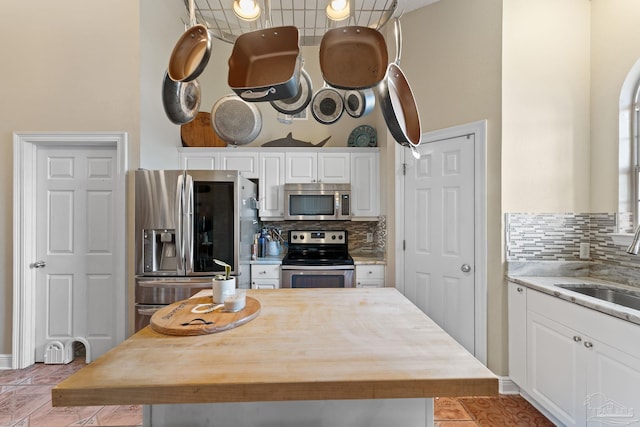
369, 260
268, 260
547, 284
368, 256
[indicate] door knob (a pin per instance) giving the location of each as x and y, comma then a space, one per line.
465, 268
38, 264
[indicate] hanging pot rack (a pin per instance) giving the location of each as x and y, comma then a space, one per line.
309, 16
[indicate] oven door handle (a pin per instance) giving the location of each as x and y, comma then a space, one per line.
317, 267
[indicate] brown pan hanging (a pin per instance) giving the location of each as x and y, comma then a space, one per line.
265, 64
353, 57
397, 102
191, 53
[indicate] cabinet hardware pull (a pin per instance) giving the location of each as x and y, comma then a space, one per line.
588, 344
578, 339
520, 290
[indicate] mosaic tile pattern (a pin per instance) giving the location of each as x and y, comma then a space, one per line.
545, 237
357, 230
540, 238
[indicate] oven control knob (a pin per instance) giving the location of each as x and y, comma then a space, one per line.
340, 237
333, 237
302, 237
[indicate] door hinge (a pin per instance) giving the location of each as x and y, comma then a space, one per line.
404, 169
404, 245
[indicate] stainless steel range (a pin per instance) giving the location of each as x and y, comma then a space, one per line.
317, 259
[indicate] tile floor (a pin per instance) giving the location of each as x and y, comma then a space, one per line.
25, 401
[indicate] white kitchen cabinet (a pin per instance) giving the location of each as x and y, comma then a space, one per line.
334, 167
199, 158
301, 167
582, 366
317, 166
265, 276
369, 276
243, 160
271, 185
556, 369
517, 297
365, 185
275, 167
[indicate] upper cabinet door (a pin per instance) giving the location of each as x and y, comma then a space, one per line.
245, 161
202, 159
271, 185
334, 167
301, 167
365, 186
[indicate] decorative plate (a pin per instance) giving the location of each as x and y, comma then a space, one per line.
363, 136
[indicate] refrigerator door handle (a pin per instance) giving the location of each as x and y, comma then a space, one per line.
178, 222
188, 224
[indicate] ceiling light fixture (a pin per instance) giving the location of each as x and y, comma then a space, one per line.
338, 10
248, 10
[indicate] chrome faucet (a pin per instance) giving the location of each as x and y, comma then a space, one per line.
634, 247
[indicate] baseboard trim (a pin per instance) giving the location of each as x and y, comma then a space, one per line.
5, 361
507, 386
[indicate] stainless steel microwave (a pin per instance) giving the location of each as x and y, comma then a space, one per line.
317, 202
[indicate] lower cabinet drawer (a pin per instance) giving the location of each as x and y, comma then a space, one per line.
265, 276
369, 275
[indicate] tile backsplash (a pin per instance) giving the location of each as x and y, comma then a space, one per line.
357, 231
533, 238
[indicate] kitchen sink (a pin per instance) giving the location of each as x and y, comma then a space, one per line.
626, 298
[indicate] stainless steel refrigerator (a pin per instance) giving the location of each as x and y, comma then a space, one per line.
184, 219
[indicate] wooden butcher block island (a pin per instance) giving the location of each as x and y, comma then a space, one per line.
311, 354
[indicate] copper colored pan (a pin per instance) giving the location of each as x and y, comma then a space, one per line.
265, 64
397, 102
192, 51
353, 57
190, 54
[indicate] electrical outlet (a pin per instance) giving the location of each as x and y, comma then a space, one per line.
369, 237
584, 250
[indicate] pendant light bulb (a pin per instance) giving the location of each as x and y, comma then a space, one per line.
338, 10
247, 10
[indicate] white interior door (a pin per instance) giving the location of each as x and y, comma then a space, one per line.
76, 288
439, 235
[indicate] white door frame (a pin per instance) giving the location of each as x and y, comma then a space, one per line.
25, 148
479, 130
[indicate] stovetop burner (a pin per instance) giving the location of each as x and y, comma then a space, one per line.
317, 248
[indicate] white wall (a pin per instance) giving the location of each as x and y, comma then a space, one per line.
68, 65
545, 109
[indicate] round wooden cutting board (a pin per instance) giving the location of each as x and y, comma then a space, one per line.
199, 132
177, 318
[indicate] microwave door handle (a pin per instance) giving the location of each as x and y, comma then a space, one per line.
178, 223
188, 224
337, 204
